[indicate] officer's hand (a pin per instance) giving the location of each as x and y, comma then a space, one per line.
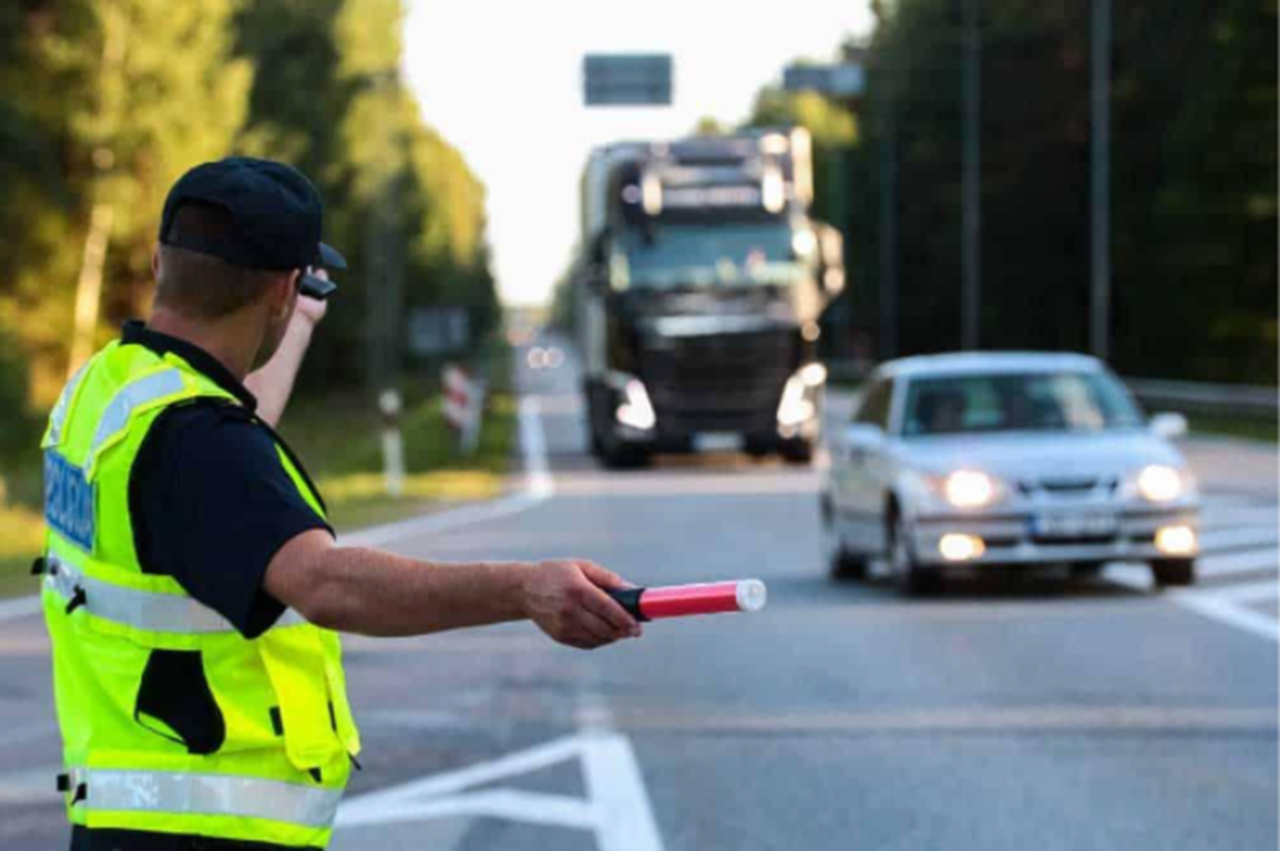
311, 310
564, 599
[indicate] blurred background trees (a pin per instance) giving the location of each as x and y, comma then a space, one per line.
103, 103
1193, 155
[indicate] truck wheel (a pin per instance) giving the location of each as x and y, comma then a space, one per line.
1174, 571
620, 456
797, 452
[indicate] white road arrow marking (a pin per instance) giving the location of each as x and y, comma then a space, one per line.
616, 809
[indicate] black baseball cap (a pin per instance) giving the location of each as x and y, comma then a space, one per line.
274, 217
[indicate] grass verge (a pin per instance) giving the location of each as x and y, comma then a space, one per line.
338, 437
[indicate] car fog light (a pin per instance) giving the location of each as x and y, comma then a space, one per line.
1176, 541
956, 547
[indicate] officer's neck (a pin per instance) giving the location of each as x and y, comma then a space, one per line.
233, 342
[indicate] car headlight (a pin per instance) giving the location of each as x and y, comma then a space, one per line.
1160, 483
970, 489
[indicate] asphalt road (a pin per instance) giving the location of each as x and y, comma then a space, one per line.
1045, 715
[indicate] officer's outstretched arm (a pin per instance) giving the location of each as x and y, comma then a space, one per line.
373, 592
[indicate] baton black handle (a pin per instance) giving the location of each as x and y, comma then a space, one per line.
629, 599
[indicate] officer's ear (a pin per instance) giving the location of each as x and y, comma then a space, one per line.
282, 292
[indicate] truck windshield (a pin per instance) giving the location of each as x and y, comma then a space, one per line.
1049, 401
710, 255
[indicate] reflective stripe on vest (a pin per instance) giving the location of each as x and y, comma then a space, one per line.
189, 793
115, 419
150, 611
59, 416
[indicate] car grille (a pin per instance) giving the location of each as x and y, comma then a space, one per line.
730, 381
1079, 486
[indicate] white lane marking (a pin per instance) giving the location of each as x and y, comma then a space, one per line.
1223, 605
1226, 517
616, 808
510, 804
617, 788
22, 607
1242, 562
441, 794
1251, 592
1231, 614
1250, 536
380, 805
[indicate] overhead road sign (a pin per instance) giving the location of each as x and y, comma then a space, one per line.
845, 80
627, 79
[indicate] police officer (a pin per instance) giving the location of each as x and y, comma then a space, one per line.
193, 588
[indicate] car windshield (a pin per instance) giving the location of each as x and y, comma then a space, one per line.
709, 255
1048, 401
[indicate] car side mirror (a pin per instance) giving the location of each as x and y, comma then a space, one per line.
1169, 426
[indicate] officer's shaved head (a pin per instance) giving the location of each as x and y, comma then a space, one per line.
201, 285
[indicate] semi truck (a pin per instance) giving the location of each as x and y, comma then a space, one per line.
698, 287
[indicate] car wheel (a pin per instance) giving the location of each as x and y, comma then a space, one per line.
1174, 571
841, 565
913, 580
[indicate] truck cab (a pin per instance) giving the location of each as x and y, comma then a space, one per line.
698, 292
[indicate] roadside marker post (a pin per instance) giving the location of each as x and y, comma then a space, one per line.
390, 405
463, 405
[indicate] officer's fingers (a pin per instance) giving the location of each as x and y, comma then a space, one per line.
600, 576
604, 607
597, 627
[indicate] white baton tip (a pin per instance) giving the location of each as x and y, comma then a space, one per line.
752, 595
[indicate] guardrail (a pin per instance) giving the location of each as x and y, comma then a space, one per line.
1240, 400
1235, 399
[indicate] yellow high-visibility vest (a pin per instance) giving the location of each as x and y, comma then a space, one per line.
276, 735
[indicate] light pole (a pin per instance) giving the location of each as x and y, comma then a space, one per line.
888, 347
971, 243
1100, 182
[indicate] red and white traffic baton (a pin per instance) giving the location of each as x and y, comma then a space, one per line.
676, 601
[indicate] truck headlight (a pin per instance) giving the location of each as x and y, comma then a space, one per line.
636, 410
970, 489
798, 403
1161, 483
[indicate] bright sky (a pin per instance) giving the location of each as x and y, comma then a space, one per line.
502, 81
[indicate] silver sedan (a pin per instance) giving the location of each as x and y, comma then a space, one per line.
970, 463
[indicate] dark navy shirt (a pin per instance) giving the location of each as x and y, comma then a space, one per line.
210, 501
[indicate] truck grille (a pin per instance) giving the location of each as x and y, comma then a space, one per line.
729, 382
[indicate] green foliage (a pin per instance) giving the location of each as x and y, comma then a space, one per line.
110, 101
1193, 181
106, 102
396, 192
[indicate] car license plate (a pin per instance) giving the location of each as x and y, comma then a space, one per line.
716, 441
1075, 525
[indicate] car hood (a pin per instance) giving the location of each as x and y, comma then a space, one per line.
1063, 455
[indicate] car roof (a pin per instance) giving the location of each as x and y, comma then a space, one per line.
981, 363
